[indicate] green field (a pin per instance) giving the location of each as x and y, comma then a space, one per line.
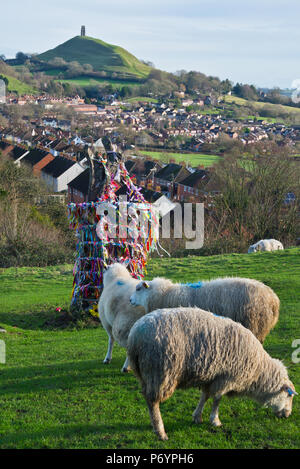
259, 105
91, 81
99, 54
193, 159
18, 86
56, 393
144, 99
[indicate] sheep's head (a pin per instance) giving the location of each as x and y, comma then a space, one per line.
113, 272
282, 401
251, 249
140, 296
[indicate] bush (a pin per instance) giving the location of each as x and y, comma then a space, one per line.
35, 254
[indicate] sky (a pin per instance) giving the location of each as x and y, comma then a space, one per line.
256, 42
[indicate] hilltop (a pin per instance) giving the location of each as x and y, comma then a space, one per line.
100, 55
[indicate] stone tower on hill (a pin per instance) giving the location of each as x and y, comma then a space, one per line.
82, 31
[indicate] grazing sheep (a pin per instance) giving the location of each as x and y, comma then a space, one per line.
189, 347
116, 313
247, 301
266, 245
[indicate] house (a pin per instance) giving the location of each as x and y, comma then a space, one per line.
129, 165
149, 195
6, 148
98, 145
187, 102
164, 179
78, 188
146, 172
17, 153
88, 109
142, 171
59, 172
37, 159
190, 188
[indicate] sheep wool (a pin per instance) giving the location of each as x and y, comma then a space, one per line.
246, 301
266, 245
189, 347
116, 313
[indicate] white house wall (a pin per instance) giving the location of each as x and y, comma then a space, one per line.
68, 176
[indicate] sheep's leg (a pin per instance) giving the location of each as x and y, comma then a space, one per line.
126, 366
111, 341
214, 416
156, 420
197, 414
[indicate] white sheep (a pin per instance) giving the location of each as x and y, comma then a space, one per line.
266, 245
247, 301
116, 313
189, 347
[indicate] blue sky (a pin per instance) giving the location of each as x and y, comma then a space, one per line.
251, 41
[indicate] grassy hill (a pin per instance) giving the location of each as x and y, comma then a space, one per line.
18, 86
101, 55
92, 81
56, 393
259, 105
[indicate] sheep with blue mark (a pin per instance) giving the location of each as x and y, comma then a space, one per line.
246, 301
188, 347
116, 313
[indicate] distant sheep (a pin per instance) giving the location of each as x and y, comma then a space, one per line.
189, 347
266, 245
116, 313
247, 301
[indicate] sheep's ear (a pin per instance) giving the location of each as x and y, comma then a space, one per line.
105, 266
146, 285
289, 390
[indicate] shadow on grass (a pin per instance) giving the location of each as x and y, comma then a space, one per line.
104, 432
36, 379
46, 319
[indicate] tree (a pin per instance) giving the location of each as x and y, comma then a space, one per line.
253, 189
58, 62
245, 91
88, 68
148, 62
125, 91
21, 57
226, 86
74, 69
2, 77
30, 234
19, 188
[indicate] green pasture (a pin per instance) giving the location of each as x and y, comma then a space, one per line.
55, 392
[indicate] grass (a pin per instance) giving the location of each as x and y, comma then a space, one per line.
91, 81
144, 99
259, 105
193, 159
99, 54
18, 86
56, 393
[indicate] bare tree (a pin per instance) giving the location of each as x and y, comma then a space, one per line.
253, 202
